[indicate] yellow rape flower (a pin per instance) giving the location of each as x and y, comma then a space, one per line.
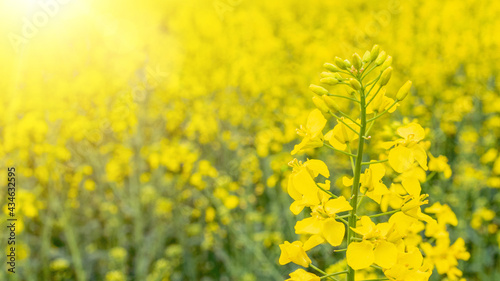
439, 164
445, 257
340, 135
408, 149
322, 228
393, 198
381, 102
302, 275
371, 182
443, 213
374, 248
294, 252
312, 134
409, 267
412, 208
301, 185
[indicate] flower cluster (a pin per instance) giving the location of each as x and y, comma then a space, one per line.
393, 246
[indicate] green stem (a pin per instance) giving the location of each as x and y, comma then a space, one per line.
374, 82
343, 122
327, 192
386, 213
374, 162
376, 93
352, 160
349, 117
74, 249
430, 176
339, 96
385, 111
343, 217
371, 125
344, 221
368, 72
333, 274
320, 271
361, 200
357, 175
338, 150
348, 73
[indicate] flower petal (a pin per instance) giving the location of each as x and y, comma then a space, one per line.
360, 255
386, 254
333, 231
401, 158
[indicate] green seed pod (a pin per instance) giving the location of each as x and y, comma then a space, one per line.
320, 104
403, 91
330, 103
374, 52
331, 67
329, 81
386, 75
340, 63
355, 84
366, 57
387, 63
318, 90
356, 61
381, 58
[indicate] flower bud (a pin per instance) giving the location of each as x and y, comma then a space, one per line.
374, 52
327, 74
331, 67
329, 81
387, 63
348, 64
403, 91
386, 75
356, 61
330, 103
339, 77
381, 58
366, 57
340, 63
320, 104
318, 89
355, 84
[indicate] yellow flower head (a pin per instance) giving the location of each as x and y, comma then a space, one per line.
302, 275
312, 133
408, 149
294, 252
301, 185
340, 135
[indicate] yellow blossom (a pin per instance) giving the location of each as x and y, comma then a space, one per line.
293, 252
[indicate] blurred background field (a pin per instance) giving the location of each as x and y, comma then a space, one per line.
151, 138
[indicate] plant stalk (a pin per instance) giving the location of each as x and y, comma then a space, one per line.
357, 175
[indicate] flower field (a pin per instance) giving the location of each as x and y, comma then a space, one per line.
250, 140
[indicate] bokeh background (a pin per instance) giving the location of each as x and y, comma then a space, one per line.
151, 138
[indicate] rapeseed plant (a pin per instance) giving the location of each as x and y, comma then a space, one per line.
392, 246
